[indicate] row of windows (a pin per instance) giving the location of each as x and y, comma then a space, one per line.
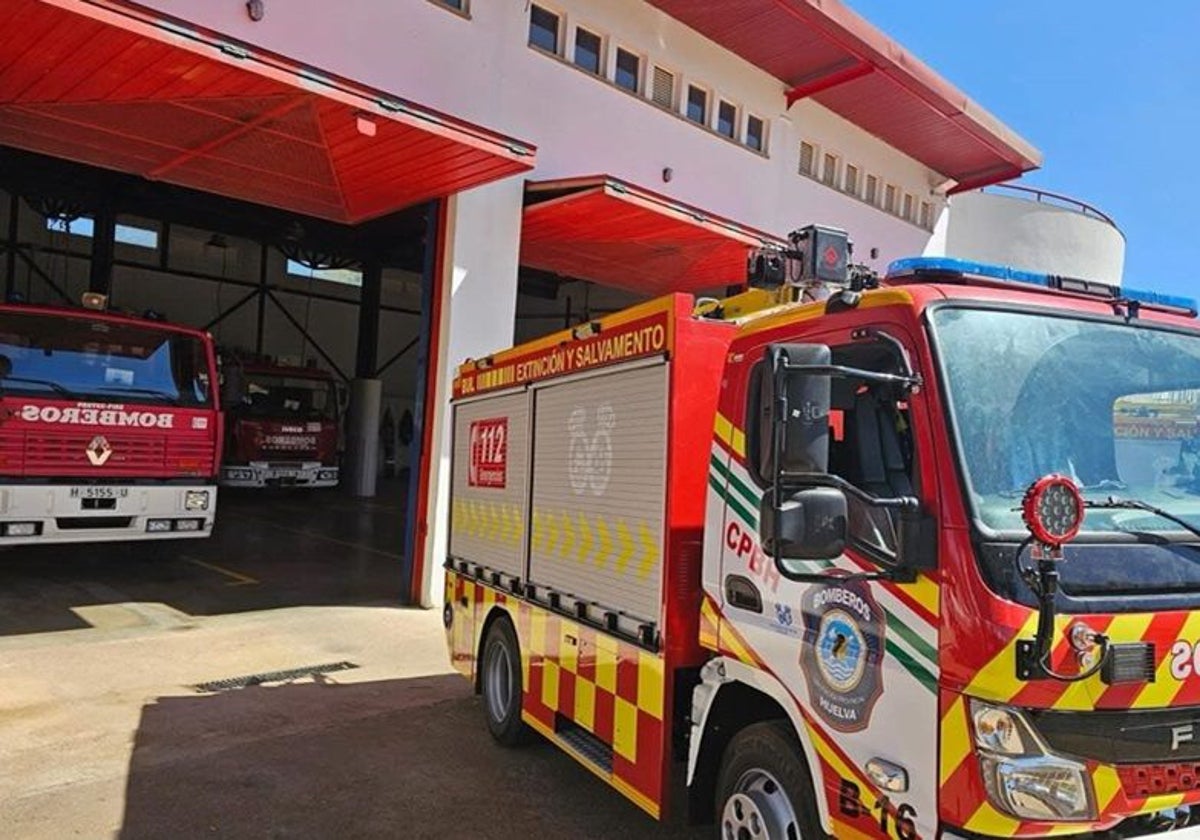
633, 72
828, 167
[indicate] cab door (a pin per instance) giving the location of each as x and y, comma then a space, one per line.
858, 655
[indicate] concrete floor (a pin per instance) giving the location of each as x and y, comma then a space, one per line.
102, 733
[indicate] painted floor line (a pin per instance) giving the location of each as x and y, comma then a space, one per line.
316, 535
238, 579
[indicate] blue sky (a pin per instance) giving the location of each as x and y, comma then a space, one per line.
1109, 92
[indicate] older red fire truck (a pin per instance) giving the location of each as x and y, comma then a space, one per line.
281, 425
110, 427
859, 558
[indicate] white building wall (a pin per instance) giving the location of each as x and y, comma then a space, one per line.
1031, 235
481, 69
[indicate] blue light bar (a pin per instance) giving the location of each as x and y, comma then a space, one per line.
1006, 274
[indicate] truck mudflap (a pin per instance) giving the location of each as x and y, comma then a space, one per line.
274, 474
598, 697
31, 514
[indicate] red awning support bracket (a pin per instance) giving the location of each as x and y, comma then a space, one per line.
829, 77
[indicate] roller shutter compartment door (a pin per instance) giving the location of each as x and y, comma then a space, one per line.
489, 495
599, 486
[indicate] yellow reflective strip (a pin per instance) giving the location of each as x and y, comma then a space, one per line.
650, 684
731, 642
724, 430
956, 740
585, 704
550, 684
925, 592
987, 820
625, 729
606, 663
537, 632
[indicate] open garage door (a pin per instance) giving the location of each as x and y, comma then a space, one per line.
293, 214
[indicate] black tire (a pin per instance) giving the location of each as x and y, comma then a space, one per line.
764, 787
500, 684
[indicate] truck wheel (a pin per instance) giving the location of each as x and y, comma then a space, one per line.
764, 789
500, 679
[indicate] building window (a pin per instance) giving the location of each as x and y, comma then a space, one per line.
850, 183
697, 105
662, 90
139, 237
926, 215
629, 70
829, 170
756, 137
543, 29
889, 198
808, 159
910, 207
727, 119
456, 5
588, 48
872, 193
344, 276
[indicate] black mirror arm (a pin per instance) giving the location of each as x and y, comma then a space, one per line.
795, 481
908, 382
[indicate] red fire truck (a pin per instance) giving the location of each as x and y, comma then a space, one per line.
110, 427
859, 558
282, 425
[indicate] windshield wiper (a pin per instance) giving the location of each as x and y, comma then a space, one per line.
1113, 503
150, 392
53, 386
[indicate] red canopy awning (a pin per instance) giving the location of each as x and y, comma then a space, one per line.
107, 84
605, 230
823, 50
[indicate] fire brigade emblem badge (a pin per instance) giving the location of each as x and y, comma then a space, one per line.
842, 653
99, 451
590, 455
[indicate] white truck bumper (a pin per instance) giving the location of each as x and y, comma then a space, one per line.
276, 474
61, 513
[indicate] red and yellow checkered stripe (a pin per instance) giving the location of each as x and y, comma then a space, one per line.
572, 672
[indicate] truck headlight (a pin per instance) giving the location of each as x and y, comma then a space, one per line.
195, 500
1023, 778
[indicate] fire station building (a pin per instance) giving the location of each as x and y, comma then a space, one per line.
389, 188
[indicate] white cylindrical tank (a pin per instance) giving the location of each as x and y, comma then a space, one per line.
1032, 230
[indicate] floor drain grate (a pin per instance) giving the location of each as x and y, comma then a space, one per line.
233, 683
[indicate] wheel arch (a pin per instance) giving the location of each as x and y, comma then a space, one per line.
731, 697
497, 613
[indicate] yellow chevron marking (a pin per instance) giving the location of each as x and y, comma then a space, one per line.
497, 525
567, 548
535, 540
649, 551
627, 547
552, 533
1082, 696
1106, 783
1163, 690
585, 540
925, 592
998, 679
518, 526
470, 518
956, 740
604, 540
990, 821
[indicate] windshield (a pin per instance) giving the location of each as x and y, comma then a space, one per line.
288, 397
1114, 406
70, 357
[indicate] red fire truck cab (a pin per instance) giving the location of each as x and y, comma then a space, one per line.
282, 428
110, 428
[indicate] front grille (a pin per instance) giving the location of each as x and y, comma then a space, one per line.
49, 453
83, 523
1133, 737
1142, 780
292, 455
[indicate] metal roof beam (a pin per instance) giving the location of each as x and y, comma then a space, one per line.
829, 77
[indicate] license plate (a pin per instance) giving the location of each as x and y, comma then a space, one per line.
99, 492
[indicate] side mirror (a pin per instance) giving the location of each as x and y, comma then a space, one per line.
811, 524
793, 411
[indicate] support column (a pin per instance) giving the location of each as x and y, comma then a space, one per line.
477, 288
104, 246
10, 273
362, 445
